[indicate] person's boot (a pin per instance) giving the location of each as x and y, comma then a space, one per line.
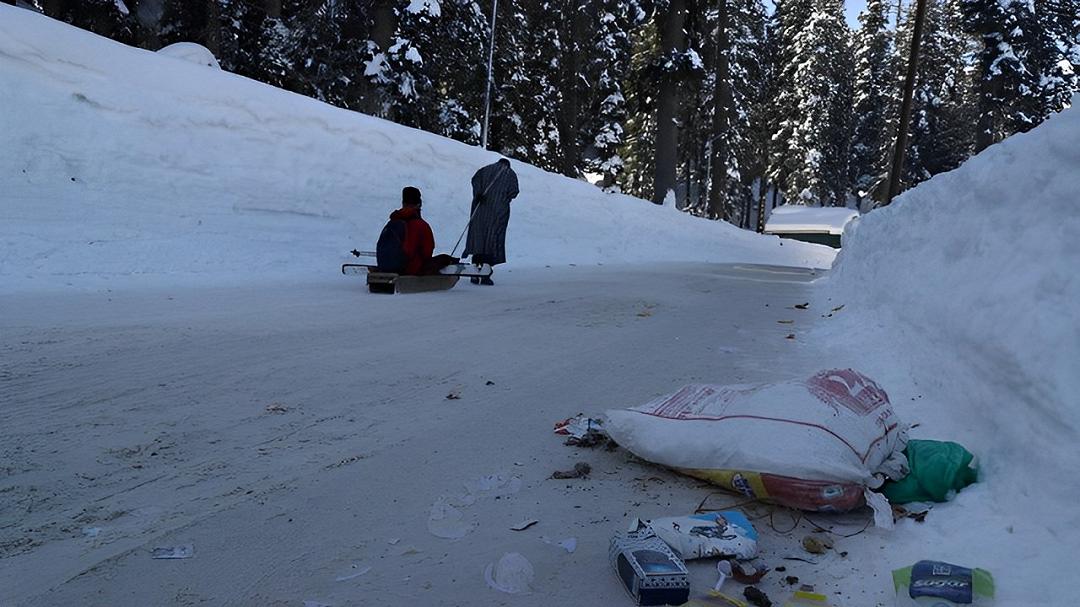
487, 281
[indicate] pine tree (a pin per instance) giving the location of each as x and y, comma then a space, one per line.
766, 112
431, 74
609, 69
406, 77
509, 94
275, 60
1057, 58
750, 90
840, 101
459, 70
542, 98
789, 19
939, 136
669, 68
1008, 87
733, 88
697, 95
810, 161
187, 21
243, 36
104, 17
874, 98
639, 146
578, 20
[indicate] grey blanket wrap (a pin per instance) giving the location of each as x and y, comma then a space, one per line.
494, 186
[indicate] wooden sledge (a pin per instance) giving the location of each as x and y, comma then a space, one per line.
389, 282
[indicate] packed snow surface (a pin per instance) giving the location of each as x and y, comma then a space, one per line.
794, 219
967, 290
214, 384
122, 166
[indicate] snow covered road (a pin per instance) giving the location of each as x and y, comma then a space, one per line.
297, 434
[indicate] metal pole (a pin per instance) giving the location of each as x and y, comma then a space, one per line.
905, 107
491, 61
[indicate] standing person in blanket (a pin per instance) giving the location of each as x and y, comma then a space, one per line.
494, 186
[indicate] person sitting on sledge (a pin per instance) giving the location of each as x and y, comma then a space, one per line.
406, 243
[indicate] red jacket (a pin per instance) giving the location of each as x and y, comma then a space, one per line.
419, 242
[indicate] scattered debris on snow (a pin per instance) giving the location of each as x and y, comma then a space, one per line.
581, 470
512, 574
525, 524
183, 551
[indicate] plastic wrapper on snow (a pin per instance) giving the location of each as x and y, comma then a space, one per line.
937, 584
815, 444
189, 51
712, 534
513, 574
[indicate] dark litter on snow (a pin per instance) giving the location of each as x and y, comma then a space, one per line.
817, 544
747, 573
184, 551
581, 470
756, 597
592, 440
584, 432
525, 524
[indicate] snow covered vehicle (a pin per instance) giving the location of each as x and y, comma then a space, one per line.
819, 225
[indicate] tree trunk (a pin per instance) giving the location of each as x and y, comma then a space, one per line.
989, 90
569, 117
673, 40
900, 150
382, 34
53, 8
763, 188
718, 199
212, 35
385, 23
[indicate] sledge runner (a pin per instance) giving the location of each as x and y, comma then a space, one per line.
494, 186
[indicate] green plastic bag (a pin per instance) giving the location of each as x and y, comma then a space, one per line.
938, 468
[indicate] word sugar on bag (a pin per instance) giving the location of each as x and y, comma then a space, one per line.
815, 444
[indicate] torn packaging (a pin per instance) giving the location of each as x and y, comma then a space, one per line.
713, 534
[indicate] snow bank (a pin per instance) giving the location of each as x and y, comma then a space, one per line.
987, 258
963, 295
120, 165
189, 51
